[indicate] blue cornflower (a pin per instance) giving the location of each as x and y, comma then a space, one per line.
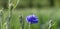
32, 19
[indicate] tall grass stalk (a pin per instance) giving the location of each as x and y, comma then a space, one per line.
21, 22
1, 20
51, 21
8, 18
10, 8
1, 13
51, 24
14, 6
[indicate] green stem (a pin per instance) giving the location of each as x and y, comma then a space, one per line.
22, 23
1, 13
29, 26
16, 4
9, 17
1, 20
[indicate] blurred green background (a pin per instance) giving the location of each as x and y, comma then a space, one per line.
44, 9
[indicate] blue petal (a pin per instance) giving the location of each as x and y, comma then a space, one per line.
32, 19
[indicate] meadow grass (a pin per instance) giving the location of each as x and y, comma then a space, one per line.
43, 15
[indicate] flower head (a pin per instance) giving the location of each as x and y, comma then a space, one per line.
32, 19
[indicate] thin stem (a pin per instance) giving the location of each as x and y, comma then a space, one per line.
1, 20
9, 4
29, 26
1, 13
22, 27
21, 22
50, 24
9, 17
8, 23
4, 25
16, 4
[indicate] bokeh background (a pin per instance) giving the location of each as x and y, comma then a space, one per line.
45, 10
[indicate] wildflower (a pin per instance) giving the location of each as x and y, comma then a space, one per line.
32, 19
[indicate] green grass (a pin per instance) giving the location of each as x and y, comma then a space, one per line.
43, 15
